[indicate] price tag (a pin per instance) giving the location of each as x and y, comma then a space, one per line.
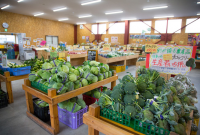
172, 42
113, 49
151, 48
124, 47
62, 55
106, 47
75, 46
87, 47
167, 56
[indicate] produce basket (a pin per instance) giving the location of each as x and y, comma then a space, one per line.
115, 116
73, 120
20, 71
41, 112
148, 129
3, 99
40, 86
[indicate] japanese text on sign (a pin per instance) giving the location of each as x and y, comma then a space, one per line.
171, 59
151, 48
106, 47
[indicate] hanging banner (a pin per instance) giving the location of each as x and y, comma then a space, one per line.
171, 59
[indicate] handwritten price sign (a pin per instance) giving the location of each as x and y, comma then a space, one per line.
106, 47
167, 56
151, 48
62, 55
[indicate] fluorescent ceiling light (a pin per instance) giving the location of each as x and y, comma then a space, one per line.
5, 6
38, 14
20, 0
114, 12
198, 14
155, 8
59, 9
63, 19
84, 16
100, 21
129, 19
198, 2
81, 23
163, 16
91, 2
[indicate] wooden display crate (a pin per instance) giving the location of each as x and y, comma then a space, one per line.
7, 79
111, 60
97, 124
52, 99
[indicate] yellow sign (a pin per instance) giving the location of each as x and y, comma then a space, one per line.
75, 46
181, 42
128, 47
124, 47
113, 49
151, 48
87, 47
106, 47
172, 42
62, 55
167, 56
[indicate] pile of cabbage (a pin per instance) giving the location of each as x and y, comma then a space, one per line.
60, 75
151, 99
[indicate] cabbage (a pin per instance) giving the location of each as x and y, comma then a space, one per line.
95, 70
76, 72
33, 77
71, 105
109, 74
96, 94
70, 86
46, 84
52, 78
60, 88
104, 68
95, 79
47, 66
45, 75
62, 77
87, 75
40, 72
86, 67
100, 77
94, 63
55, 63
54, 70
84, 82
105, 75
71, 70
68, 64
40, 81
72, 77
77, 84
65, 68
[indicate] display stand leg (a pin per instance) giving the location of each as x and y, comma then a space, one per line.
94, 110
113, 84
29, 100
53, 111
9, 88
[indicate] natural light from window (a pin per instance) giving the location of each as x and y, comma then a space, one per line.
138, 27
117, 28
193, 27
102, 28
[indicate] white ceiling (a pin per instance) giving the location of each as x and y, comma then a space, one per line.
131, 8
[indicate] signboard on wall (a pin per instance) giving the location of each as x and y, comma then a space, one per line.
194, 39
162, 61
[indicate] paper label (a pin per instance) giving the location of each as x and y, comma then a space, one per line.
68, 58
151, 48
106, 47
62, 55
167, 56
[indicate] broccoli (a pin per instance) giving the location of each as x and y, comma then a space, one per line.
130, 111
141, 87
118, 88
118, 107
104, 101
194, 127
173, 89
152, 88
160, 81
191, 63
170, 98
147, 115
116, 95
141, 102
108, 92
182, 121
129, 99
174, 117
176, 100
179, 129
196, 115
158, 89
148, 95
163, 124
128, 78
130, 88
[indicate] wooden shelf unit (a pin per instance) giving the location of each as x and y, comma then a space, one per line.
52, 99
7, 79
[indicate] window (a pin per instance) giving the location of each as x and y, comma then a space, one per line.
138, 27
173, 25
52, 40
193, 27
7, 38
117, 28
102, 28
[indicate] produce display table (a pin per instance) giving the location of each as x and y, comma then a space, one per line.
97, 124
52, 99
7, 79
77, 59
125, 60
197, 64
142, 56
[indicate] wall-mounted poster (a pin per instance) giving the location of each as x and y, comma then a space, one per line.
114, 39
194, 40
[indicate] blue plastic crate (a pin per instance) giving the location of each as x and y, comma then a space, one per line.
20, 71
3, 69
11, 56
126, 67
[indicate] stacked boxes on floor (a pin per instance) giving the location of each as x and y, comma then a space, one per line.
16, 49
119, 68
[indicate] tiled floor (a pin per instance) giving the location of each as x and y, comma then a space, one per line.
13, 119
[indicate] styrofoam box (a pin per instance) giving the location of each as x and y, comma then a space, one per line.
29, 55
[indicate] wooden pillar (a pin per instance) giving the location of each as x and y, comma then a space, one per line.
113, 84
98, 32
9, 88
75, 34
94, 110
126, 34
53, 111
29, 100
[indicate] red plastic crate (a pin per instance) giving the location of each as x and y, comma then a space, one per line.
91, 100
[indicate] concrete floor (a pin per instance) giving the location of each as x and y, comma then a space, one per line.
13, 119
